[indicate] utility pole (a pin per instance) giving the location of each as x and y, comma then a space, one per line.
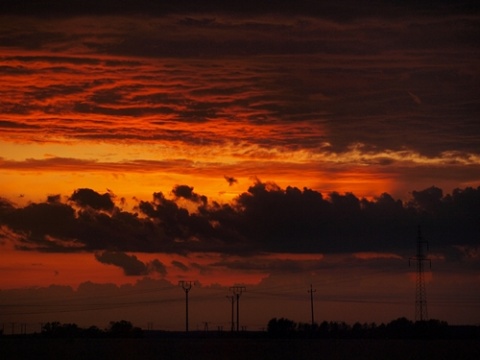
232, 300
186, 286
421, 312
237, 291
311, 291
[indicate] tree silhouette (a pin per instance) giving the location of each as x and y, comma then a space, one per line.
124, 328
281, 327
56, 329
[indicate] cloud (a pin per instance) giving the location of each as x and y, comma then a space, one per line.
53, 198
266, 218
231, 180
344, 10
16, 125
90, 198
327, 101
130, 264
156, 266
39, 223
428, 199
180, 265
80, 165
186, 192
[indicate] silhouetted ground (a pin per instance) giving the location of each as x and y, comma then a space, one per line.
232, 348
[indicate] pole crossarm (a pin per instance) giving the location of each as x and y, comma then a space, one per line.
238, 290
186, 285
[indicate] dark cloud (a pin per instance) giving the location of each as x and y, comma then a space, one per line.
38, 223
52, 91
92, 108
267, 218
180, 265
429, 199
89, 197
77, 60
340, 10
318, 80
130, 264
6, 206
231, 180
16, 125
182, 231
186, 192
53, 198
156, 266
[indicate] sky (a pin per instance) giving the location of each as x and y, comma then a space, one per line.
272, 145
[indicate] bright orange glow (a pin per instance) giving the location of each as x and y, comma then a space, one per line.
373, 255
427, 276
30, 269
128, 132
136, 104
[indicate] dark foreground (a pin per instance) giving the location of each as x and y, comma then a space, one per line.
236, 348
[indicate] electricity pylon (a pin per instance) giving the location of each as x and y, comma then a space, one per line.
237, 291
186, 286
421, 312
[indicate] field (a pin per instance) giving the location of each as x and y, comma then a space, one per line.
236, 348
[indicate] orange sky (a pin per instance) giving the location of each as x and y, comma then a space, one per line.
90, 123
274, 117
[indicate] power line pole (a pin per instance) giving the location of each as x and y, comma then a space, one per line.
186, 286
237, 291
232, 300
311, 291
421, 312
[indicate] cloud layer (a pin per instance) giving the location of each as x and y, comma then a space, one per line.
324, 81
267, 219
327, 96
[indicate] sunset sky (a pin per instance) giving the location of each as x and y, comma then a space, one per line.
273, 144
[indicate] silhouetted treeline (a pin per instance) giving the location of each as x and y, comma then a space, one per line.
120, 328
400, 328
